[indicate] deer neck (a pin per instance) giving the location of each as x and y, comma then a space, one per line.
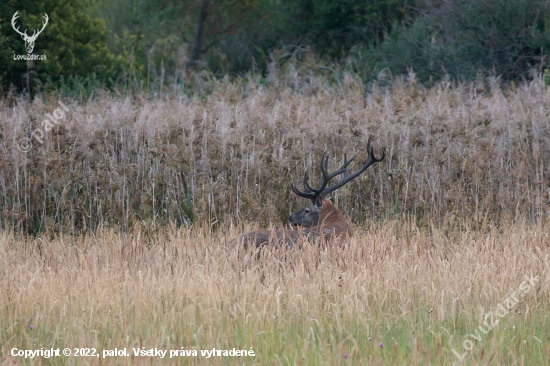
330, 215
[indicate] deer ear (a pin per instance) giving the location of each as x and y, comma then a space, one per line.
318, 201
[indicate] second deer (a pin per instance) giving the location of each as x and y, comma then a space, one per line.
319, 219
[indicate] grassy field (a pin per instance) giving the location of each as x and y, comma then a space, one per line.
115, 229
394, 295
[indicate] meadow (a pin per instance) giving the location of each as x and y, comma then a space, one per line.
116, 229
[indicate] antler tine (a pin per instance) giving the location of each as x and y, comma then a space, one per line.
297, 192
341, 170
345, 174
306, 184
371, 159
323, 165
309, 192
324, 170
315, 193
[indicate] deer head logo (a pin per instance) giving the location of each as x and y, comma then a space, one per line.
29, 40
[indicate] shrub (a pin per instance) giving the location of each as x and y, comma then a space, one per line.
465, 38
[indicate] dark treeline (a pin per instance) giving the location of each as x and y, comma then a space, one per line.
153, 44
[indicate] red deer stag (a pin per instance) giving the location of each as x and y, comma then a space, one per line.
320, 218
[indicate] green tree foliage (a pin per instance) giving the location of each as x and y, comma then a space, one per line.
467, 38
73, 42
150, 35
233, 36
248, 34
153, 43
334, 27
161, 35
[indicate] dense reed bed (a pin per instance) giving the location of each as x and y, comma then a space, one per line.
464, 154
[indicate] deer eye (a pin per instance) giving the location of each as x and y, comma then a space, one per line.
306, 211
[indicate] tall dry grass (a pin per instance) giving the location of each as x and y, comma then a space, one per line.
467, 154
419, 293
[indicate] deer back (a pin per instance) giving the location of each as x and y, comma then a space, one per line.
259, 238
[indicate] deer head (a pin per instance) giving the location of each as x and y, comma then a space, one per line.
29, 40
321, 211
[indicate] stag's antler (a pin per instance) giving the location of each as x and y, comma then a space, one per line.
315, 193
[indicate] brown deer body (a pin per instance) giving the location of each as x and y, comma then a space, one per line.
319, 219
